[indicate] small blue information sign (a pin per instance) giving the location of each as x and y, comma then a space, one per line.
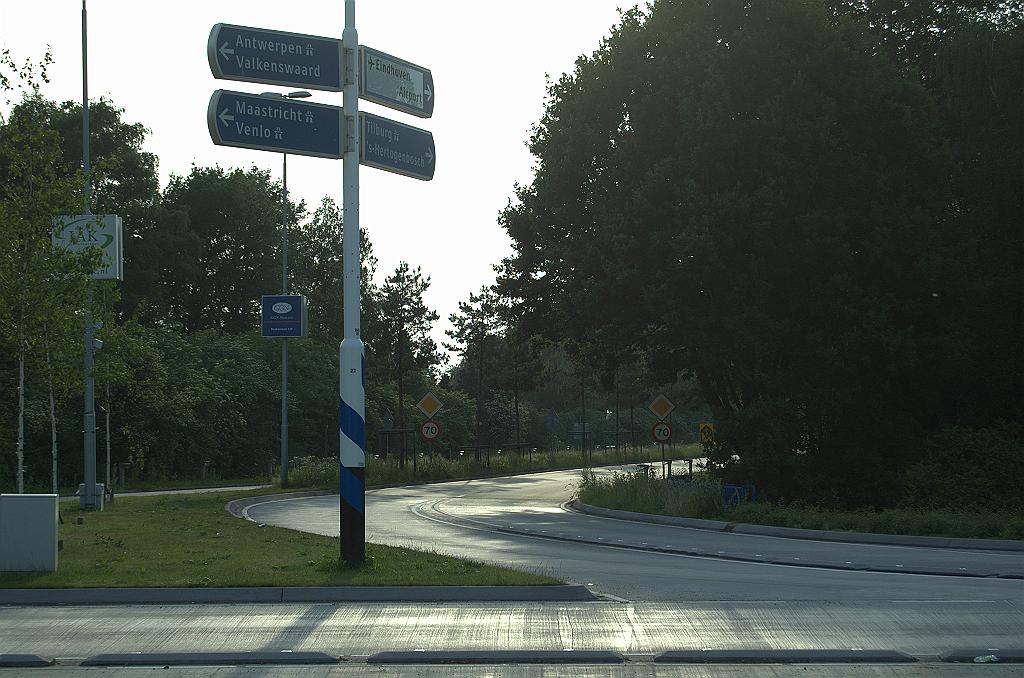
269, 124
275, 57
394, 147
284, 315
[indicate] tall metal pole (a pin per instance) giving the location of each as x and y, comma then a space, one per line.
352, 407
89, 416
87, 193
284, 342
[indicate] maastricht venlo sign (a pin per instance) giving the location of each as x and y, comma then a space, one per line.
284, 125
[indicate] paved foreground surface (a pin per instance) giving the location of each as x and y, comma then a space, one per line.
521, 671
356, 630
653, 601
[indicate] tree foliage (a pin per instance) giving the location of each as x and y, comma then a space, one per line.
754, 193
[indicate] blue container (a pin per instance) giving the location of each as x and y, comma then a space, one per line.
734, 495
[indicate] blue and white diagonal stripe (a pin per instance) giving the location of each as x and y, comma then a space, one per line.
352, 423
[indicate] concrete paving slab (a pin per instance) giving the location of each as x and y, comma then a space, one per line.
497, 657
627, 670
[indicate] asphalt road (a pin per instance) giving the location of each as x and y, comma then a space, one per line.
520, 522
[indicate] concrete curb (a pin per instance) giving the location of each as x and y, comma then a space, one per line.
238, 507
298, 594
799, 533
23, 661
784, 657
210, 658
983, 656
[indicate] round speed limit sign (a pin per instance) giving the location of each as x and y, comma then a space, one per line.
429, 430
662, 432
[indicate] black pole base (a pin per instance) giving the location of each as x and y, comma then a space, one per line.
353, 518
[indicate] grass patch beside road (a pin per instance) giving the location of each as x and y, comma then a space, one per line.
190, 540
315, 472
633, 492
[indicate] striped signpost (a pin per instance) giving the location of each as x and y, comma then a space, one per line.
242, 120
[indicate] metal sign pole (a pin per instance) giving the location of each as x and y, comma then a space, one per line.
284, 342
89, 414
663, 460
352, 408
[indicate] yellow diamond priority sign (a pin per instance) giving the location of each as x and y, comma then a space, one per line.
661, 407
707, 433
429, 405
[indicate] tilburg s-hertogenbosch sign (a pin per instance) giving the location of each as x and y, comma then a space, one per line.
283, 125
395, 83
275, 57
394, 147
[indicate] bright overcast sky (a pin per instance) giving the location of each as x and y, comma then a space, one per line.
488, 57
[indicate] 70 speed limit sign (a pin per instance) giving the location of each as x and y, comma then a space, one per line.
429, 430
662, 432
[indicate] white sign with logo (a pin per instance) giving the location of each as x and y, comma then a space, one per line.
79, 232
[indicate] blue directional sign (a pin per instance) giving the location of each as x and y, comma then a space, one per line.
275, 57
394, 147
395, 83
283, 125
283, 316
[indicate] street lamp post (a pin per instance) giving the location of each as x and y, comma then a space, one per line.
284, 290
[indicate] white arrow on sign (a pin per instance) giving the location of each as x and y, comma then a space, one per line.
224, 117
430, 156
225, 51
427, 92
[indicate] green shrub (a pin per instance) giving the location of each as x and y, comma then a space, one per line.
643, 494
313, 472
961, 468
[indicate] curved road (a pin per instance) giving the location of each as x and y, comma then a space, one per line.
520, 521
672, 601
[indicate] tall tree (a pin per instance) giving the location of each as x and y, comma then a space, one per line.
751, 192
233, 218
317, 271
39, 284
400, 331
475, 330
123, 180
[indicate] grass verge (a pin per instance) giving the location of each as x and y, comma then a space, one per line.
190, 540
317, 473
634, 492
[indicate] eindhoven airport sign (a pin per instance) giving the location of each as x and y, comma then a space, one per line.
283, 125
395, 83
275, 57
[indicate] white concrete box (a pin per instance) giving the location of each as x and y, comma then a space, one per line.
28, 532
